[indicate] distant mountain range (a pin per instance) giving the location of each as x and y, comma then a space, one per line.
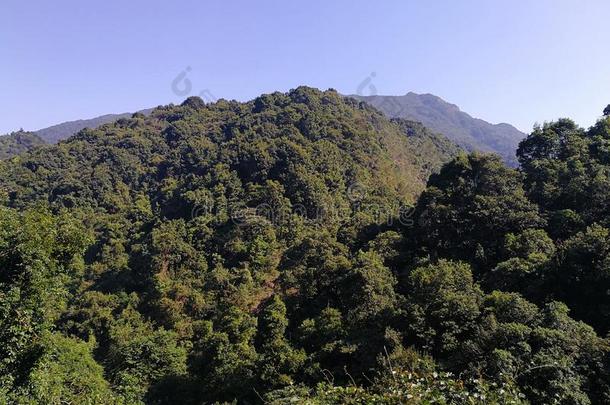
432, 111
447, 119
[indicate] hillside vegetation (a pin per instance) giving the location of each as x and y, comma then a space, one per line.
302, 248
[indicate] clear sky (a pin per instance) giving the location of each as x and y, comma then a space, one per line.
511, 61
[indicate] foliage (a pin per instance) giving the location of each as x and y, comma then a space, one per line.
404, 387
287, 249
468, 208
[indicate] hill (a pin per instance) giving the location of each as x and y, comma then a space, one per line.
447, 119
196, 210
253, 138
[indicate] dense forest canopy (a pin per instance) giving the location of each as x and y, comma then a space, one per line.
302, 248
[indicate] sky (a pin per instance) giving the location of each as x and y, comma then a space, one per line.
513, 61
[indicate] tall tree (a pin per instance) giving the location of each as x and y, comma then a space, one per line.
469, 207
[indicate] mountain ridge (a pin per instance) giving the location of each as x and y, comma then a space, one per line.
416, 151
471, 133
432, 111
18, 142
66, 129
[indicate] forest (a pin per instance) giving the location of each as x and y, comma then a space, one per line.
303, 248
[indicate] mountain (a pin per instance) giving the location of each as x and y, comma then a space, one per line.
338, 137
447, 119
429, 149
302, 247
17, 143
56, 133
432, 111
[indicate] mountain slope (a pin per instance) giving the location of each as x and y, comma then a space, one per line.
440, 116
56, 133
197, 218
258, 140
261, 252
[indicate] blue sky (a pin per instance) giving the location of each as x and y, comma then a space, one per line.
504, 61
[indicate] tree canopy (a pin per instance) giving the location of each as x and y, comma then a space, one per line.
301, 247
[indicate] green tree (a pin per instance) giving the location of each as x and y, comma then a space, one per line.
67, 373
140, 356
469, 207
583, 276
278, 362
224, 356
567, 174
527, 265
369, 288
38, 257
443, 306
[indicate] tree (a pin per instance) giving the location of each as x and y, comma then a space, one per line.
67, 373
140, 356
582, 278
526, 267
607, 111
314, 268
177, 276
550, 356
325, 340
369, 288
469, 207
223, 359
278, 363
442, 307
38, 255
550, 158
566, 172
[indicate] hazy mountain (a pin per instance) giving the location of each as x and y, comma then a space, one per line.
446, 118
56, 133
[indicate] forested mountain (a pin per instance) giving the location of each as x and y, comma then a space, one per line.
18, 142
473, 134
433, 112
303, 248
56, 133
